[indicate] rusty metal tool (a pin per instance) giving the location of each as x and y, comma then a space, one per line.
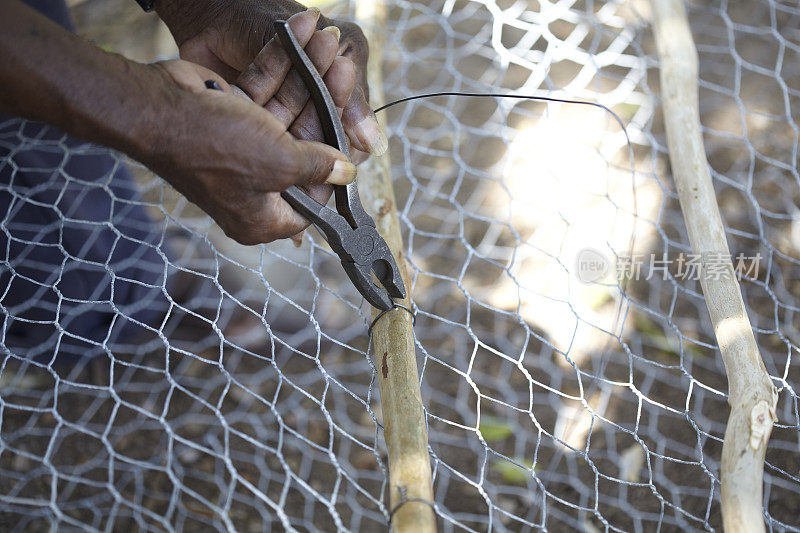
350, 231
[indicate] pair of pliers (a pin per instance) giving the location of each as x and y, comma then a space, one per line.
351, 233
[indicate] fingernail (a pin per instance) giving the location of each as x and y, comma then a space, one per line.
237, 91
343, 173
370, 133
314, 10
335, 31
297, 239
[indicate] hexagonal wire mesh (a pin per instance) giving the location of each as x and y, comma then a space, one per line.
232, 388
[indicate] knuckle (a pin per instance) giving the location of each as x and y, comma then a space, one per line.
256, 80
285, 180
357, 45
244, 224
317, 169
241, 235
288, 168
289, 102
303, 131
288, 174
285, 229
248, 240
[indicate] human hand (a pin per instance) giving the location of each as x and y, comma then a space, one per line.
232, 158
235, 39
223, 152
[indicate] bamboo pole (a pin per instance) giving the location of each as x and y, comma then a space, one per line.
404, 421
752, 396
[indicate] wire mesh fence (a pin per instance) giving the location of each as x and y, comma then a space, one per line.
156, 375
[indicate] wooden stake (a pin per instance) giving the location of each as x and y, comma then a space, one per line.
751, 395
404, 423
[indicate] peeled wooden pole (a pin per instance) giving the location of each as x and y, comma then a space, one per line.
404, 422
751, 395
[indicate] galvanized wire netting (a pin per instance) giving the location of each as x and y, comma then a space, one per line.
232, 387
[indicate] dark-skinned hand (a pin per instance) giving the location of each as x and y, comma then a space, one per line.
223, 152
235, 39
253, 211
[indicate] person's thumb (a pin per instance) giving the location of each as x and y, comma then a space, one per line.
320, 163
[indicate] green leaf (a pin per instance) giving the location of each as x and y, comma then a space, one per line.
655, 335
626, 110
512, 473
494, 429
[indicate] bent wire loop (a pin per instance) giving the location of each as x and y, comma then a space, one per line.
350, 232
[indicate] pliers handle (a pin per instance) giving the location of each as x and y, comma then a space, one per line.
351, 233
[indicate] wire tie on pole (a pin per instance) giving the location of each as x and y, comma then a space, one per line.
405, 500
396, 306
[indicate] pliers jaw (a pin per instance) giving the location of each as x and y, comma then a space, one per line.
371, 256
376, 296
362, 250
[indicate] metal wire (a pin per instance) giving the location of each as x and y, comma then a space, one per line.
232, 388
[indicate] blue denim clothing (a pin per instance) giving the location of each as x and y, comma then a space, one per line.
79, 256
